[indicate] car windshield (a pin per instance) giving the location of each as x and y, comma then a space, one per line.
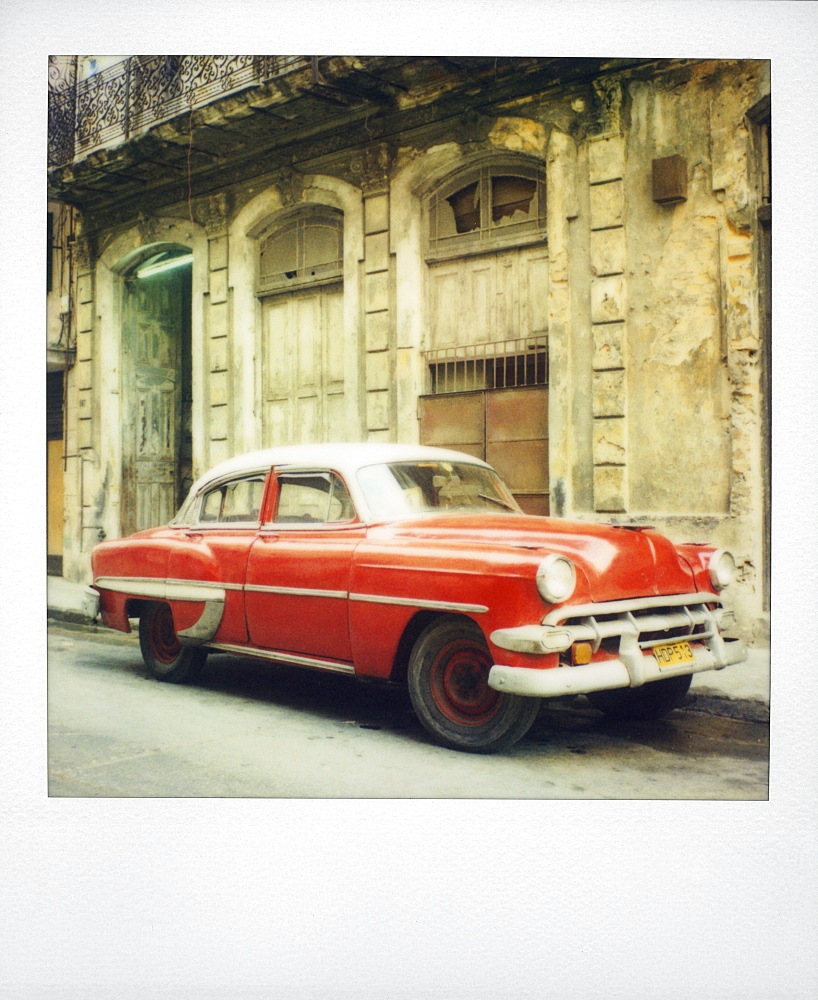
405, 488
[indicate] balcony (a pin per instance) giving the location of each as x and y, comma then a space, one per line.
140, 92
155, 130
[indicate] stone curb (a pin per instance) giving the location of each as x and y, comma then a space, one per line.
70, 617
71, 621
742, 709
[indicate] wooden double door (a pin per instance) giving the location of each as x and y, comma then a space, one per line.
303, 364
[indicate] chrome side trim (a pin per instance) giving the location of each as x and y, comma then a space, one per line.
414, 602
258, 588
195, 590
168, 590
636, 604
207, 625
336, 666
276, 527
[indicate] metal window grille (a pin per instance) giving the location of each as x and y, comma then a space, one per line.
505, 364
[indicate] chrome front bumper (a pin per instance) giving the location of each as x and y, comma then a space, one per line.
607, 674
639, 626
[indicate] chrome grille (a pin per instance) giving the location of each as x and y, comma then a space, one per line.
650, 621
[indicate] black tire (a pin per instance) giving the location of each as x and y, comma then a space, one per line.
166, 658
651, 701
448, 685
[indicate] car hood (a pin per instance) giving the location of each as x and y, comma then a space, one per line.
613, 561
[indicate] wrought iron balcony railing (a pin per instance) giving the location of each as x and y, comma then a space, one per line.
142, 91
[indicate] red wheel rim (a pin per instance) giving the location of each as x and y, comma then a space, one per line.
164, 643
459, 677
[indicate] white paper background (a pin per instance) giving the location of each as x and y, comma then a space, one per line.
428, 899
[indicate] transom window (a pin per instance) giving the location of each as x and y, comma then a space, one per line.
312, 497
307, 249
493, 206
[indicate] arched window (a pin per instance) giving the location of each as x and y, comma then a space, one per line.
492, 206
306, 249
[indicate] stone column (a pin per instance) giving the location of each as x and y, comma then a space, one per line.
567, 355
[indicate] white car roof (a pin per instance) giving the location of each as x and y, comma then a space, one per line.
344, 457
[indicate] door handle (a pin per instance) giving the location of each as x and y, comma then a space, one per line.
268, 538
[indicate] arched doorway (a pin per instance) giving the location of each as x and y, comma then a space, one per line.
156, 386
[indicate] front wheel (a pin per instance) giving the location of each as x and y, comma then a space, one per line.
164, 655
448, 684
651, 701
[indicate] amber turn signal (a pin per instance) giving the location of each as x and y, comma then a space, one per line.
581, 652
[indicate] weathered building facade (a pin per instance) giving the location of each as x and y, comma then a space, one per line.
559, 265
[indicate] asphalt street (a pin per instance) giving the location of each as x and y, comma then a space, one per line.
252, 729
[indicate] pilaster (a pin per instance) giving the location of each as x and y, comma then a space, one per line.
83, 403
606, 168
372, 169
218, 369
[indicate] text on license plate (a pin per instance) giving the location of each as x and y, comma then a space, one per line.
669, 656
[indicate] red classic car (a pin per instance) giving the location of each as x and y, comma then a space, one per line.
416, 565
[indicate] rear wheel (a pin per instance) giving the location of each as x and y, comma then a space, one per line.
448, 685
164, 655
651, 701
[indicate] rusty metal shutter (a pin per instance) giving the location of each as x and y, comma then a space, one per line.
508, 428
517, 443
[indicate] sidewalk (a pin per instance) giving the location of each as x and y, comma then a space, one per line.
68, 602
743, 683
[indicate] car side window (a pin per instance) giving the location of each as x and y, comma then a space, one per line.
310, 498
234, 502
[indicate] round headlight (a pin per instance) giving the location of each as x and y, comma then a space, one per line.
556, 579
722, 568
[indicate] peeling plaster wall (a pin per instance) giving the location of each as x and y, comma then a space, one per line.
675, 375
693, 393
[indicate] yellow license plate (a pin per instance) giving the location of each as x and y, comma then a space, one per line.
669, 656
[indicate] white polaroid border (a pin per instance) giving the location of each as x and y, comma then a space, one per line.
418, 899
